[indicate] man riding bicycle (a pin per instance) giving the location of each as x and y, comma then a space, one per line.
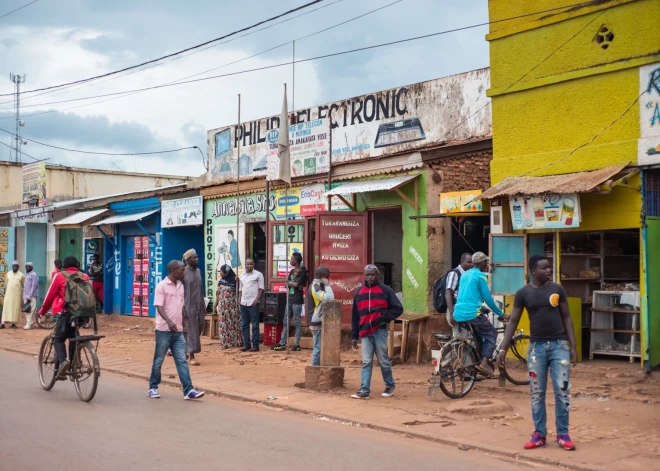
473, 293
63, 328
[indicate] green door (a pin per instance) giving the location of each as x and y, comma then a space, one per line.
70, 244
653, 277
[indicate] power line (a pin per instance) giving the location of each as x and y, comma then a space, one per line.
102, 153
19, 8
70, 88
22, 152
129, 93
314, 2
401, 41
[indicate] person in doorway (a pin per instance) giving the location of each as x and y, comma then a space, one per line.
169, 302
229, 322
374, 306
296, 283
95, 272
56, 269
318, 293
453, 279
11, 310
551, 347
251, 288
234, 256
195, 308
473, 293
63, 330
30, 294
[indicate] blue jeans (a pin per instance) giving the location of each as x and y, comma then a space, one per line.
250, 314
316, 349
485, 330
556, 356
177, 343
375, 343
296, 310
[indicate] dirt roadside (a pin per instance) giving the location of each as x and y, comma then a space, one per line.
614, 412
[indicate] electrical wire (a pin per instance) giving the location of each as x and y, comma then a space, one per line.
286, 13
102, 153
70, 88
22, 153
19, 8
283, 64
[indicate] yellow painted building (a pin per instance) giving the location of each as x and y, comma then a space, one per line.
567, 87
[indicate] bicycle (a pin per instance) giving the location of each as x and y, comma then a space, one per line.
84, 371
47, 321
455, 363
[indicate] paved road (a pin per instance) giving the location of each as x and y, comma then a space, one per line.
123, 429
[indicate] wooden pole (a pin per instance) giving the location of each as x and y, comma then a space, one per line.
238, 194
330, 163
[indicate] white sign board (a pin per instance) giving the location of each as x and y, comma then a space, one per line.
309, 148
649, 115
183, 212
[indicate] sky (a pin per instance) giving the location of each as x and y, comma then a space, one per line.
58, 41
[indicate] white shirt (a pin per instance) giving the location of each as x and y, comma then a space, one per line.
250, 285
452, 280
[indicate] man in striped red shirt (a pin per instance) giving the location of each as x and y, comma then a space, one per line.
375, 305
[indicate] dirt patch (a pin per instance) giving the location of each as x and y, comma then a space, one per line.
479, 407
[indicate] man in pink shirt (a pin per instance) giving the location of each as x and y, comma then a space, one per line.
168, 300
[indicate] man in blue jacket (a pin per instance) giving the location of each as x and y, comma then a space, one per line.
473, 293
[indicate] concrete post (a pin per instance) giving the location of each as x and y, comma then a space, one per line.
329, 375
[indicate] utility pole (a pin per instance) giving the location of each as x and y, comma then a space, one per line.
17, 80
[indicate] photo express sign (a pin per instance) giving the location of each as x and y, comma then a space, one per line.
403, 119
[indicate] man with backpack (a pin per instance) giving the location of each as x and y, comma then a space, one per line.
445, 290
70, 296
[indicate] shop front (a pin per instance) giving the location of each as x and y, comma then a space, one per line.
589, 226
470, 222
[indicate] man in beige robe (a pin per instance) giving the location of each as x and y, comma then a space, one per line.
11, 311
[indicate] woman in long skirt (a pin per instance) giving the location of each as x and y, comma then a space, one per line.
229, 322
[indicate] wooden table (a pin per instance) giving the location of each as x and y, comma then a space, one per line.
406, 319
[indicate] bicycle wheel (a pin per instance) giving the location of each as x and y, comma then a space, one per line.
457, 369
46, 364
515, 364
47, 321
85, 371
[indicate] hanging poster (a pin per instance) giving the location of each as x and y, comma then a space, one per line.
182, 212
230, 248
461, 202
545, 212
34, 184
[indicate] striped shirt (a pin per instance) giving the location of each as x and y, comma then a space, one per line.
374, 306
453, 279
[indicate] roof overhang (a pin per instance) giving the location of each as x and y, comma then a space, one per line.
81, 219
135, 217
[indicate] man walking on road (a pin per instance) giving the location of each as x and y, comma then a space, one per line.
95, 272
551, 347
251, 288
30, 294
11, 311
297, 281
194, 305
169, 300
473, 293
375, 305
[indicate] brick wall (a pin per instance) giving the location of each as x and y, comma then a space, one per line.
465, 172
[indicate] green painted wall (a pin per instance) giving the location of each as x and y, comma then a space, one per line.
414, 250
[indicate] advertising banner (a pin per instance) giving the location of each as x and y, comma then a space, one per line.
34, 184
649, 115
461, 202
183, 212
545, 212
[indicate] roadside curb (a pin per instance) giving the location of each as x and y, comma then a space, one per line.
444, 441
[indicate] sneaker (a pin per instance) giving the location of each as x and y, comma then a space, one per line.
360, 395
64, 369
295, 348
389, 392
28, 327
565, 442
484, 370
193, 394
278, 348
254, 349
153, 394
537, 441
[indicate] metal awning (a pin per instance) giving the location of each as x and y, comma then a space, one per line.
80, 219
125, 218
384, 184
582, 182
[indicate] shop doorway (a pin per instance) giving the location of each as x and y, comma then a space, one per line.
257, 247
386, 245
469, 235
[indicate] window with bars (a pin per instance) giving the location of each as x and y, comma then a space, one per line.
652, 193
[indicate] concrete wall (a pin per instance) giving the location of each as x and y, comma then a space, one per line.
545, 109
66, 183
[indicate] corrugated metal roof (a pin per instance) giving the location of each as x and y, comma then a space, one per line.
582, 182
79, 218
63, 204
125, 218
371, 185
